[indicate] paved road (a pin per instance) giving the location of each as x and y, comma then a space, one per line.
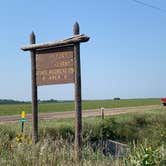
87, 113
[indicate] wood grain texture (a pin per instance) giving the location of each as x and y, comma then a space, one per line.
72, 40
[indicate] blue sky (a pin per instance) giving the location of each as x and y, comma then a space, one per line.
125, 57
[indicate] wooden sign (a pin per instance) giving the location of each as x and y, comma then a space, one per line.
57, 63
55, 66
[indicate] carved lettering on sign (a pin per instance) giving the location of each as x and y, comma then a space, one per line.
55, 66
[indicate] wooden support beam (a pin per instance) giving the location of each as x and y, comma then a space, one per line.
73, 40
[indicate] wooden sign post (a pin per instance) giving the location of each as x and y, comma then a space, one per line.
57, 63
34, 91
78, 111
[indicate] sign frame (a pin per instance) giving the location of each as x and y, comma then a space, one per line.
34, 49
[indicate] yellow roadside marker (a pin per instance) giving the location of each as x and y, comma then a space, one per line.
22, 114
22, 120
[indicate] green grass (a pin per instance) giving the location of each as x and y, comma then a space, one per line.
15, 109
145, 128
135, 126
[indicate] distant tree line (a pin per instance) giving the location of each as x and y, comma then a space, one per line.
48, 101
54, 101
116, 98
11, 101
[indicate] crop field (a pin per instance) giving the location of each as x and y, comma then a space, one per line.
14, 109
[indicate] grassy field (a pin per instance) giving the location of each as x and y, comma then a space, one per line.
126, 128
145, 128
13, 109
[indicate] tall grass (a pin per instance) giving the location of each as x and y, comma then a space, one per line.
60, 152
55, 146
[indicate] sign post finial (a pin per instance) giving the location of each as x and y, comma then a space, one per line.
32, 38
76, 28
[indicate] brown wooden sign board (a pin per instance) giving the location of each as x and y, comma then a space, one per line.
55, 66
